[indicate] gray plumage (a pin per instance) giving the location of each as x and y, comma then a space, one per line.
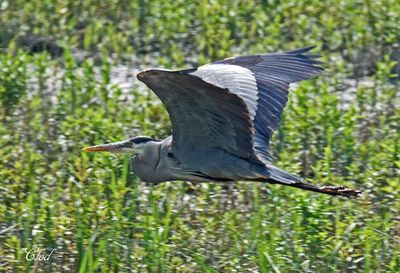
223, 116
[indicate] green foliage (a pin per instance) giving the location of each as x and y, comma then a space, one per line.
340, 128
13, 77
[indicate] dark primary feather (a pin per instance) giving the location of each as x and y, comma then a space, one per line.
273, 74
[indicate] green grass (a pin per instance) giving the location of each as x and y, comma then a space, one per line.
101, 218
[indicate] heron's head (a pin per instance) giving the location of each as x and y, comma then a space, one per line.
132, 145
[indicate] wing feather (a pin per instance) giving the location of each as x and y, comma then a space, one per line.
272, 74
234, 104
203, 116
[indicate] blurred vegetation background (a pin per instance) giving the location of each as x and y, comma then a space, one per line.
67, 80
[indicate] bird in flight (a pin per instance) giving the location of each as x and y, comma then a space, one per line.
223, 116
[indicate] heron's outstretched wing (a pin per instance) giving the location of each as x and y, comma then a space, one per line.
234, 104
203, 115
262, 81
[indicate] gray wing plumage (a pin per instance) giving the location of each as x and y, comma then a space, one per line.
264, 85
234, 104
203, 116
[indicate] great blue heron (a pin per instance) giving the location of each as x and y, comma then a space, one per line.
223, 116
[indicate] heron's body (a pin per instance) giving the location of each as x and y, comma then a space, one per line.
223, 116
221, 166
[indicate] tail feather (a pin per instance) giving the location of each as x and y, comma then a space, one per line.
279, 176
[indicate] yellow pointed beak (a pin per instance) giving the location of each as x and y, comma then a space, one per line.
116, 147
98, 148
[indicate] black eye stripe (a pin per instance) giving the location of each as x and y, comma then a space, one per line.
139, 140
